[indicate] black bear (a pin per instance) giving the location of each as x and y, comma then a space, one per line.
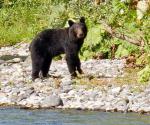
52, 42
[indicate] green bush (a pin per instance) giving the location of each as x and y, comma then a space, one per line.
144, 74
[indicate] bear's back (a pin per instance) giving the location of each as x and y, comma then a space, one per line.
53, 36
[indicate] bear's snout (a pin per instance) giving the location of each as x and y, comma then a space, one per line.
81, 35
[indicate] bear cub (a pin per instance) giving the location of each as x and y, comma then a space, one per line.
53, 42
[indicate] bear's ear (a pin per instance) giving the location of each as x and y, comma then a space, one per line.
82, 19
70, 22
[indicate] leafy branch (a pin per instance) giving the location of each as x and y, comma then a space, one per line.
114, 34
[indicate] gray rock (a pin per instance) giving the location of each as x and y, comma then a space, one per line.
28, 60
66, 89
51, 101
2, 61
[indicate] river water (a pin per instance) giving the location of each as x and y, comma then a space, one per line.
13, 116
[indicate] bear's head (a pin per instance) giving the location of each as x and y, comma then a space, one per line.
78, 30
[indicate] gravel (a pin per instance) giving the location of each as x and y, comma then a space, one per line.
59, 91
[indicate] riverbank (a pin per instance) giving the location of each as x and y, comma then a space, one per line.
95, 90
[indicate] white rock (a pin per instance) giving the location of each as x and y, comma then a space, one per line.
51, 101
116, 90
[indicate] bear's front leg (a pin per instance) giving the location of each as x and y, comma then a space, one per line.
46, 65
70, 59
78, 65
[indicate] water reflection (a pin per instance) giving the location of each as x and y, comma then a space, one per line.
12, 116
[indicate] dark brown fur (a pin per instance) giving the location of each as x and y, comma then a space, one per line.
52, 42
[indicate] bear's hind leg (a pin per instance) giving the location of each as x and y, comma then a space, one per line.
35, 70
45, 66
36, 67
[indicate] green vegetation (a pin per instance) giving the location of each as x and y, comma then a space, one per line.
20, 20
144, 75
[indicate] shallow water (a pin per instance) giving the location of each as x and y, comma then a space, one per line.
12, 116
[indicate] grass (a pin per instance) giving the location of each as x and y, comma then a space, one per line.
21, 21
130, 78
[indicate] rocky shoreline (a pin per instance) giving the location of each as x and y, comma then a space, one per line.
92, 91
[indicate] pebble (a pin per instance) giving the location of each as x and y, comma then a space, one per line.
116, 90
